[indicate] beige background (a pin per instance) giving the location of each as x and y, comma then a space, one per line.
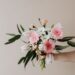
26, 12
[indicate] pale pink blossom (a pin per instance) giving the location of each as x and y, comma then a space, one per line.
56, 31
34, 37
49, 46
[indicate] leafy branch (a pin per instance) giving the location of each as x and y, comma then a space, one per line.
60, 47
31, 55
71, 43
15, 37
65, 39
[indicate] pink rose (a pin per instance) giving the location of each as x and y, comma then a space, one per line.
56, 31
49, 46
34, 37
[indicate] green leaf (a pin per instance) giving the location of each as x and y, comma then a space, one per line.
21, 60
19, 29
28, 57
42, 63
34, 56
13, 39
28, 53
22, 28
59, 47
27, 60
64, 39
11, 34
24, 59
71, 43
39, 42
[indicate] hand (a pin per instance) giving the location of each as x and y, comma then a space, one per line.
67, 56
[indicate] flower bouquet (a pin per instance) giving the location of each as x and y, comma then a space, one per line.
40, 42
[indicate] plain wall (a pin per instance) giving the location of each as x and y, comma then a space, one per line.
26, 12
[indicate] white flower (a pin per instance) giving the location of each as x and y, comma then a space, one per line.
47, 36
41, 47
48, 59
41, 30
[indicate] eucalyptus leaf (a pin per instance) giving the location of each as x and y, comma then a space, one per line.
29, 56
22, 28
21, 60
34, 56
28, 53
59, 47
13, 39
11, 34
71, 43
64, 39
19, 29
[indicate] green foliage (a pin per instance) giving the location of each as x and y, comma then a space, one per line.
64, 39
11, 34
20, 29
34, 56
13, 39
39, 42
59, 47
42, 63
29, 56
71, 43
21, 60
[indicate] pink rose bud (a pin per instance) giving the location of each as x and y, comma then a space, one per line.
34, 37
49, 46
57, 32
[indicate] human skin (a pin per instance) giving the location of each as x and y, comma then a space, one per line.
67, 56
